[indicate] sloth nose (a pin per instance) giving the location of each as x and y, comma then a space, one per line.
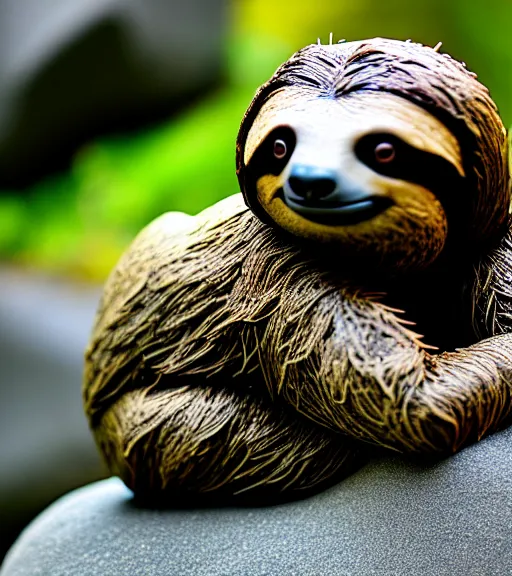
312, 183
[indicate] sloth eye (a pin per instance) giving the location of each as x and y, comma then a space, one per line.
390, 156
280, 148
272, 155
384, 152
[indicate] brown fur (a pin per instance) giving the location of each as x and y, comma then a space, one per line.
228, 358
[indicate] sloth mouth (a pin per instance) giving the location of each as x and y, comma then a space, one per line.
335, 212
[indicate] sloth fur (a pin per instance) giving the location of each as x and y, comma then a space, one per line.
231, 356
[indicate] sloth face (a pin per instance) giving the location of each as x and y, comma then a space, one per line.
369, 172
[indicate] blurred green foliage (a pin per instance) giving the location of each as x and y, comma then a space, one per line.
79, 222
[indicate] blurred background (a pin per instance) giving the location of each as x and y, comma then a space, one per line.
112, 112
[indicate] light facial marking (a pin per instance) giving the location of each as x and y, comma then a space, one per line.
366, 140
268, 117
322, 122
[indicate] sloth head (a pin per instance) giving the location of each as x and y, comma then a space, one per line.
385, 151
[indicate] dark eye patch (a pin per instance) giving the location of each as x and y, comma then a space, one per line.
264, 161
412, 165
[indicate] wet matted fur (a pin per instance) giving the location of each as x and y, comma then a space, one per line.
230, 358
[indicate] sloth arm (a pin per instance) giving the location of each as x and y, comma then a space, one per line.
367, 375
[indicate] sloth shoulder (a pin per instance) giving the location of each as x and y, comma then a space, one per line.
165, 239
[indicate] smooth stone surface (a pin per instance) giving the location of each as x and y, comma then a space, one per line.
391, 518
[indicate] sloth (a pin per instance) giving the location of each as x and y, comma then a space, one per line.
266, 347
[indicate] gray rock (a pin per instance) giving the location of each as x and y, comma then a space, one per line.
46, 448
391, 518
71, 69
